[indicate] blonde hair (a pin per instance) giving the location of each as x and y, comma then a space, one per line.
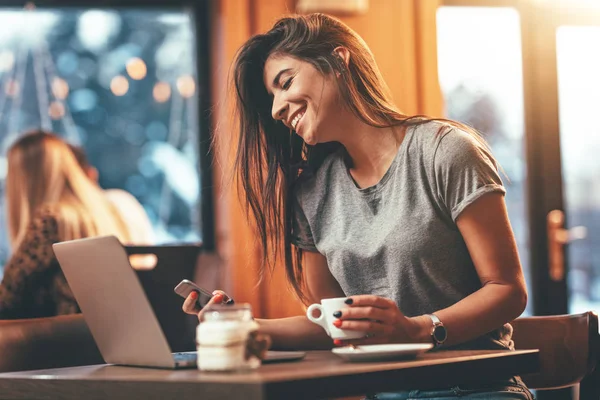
43, 172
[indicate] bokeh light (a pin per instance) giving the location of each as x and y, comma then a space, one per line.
67, 63
12, 88
186, 86
60, 88
7, 60
83, 100
56, 110
161, 92
119, 85
136, 68
96, 29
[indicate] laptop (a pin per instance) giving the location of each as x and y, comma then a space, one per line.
174, 262
116, 308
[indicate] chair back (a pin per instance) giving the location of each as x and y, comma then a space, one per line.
174, 263
52, 342
569, 348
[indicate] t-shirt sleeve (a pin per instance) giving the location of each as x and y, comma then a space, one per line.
302, 236
464, 170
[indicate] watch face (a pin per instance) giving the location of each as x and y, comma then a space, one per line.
440, 333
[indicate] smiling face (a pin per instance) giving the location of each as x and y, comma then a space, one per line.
304, 99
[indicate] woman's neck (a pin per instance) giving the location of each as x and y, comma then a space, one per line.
372, 150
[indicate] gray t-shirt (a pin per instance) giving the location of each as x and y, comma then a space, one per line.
398, 239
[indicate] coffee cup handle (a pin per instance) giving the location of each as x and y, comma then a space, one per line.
320, 320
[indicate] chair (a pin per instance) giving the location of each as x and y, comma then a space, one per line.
41, 343
569, 351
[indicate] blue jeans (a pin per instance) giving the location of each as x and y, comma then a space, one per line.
512, 389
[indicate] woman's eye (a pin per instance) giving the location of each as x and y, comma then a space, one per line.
287, 84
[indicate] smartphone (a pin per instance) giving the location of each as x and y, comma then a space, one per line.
185, 287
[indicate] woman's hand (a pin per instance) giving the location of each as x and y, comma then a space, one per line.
190, 305
381, 319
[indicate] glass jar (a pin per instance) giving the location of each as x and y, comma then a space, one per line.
223, 336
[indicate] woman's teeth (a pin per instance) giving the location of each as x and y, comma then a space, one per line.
297, 119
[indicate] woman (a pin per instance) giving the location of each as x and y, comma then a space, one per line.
49, 199
405, 216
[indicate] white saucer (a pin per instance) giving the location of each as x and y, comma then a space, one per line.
275, 356
381, 352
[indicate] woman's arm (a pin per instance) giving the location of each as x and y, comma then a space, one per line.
293, 332
33, 257
299, 332
488, 235
487, 232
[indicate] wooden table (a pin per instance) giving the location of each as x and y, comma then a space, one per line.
320, 375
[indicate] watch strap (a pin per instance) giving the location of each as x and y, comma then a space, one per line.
437, 324
435, 319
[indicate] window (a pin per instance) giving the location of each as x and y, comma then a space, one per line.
578, 89
481, 80
123, 84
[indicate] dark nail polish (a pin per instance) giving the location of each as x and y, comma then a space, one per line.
348, 301
337, 314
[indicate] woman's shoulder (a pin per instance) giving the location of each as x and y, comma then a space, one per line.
437, 139
41, 231
430, 133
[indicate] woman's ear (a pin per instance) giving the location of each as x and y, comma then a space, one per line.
343, 55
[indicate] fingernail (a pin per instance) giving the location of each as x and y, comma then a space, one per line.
337, 314
348, 301
337, 323
337, 342
193, 295
218, 298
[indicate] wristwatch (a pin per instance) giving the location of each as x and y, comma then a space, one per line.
439, 334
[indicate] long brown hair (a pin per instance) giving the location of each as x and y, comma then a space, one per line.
270, 159
43, 172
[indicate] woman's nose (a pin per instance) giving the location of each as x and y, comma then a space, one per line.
278, 110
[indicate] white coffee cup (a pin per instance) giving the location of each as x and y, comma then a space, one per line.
326, 319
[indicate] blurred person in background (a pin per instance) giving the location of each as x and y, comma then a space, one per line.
49, 199
132, 212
